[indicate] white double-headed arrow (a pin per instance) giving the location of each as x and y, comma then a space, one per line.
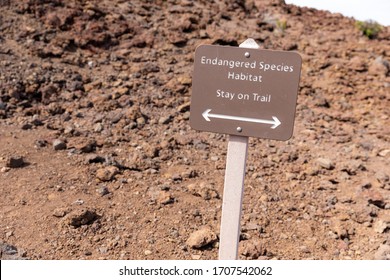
275, 122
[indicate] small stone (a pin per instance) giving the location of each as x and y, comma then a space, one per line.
164, 120
252, 226
184, 107
4, 169
304, 249
26, 126
357, 63
325, 163
384, 153
3, 106
148, 252
10, 252
252, 250
122, 90
98, 127
165, 198
79, 202
82, 217
107, 173
379, 67
85, 145
366, 185
59, 145
383, 252
91, 64
103, 191
196, 257
206, 191
185, 80
374, 197
15, 162
93, 158
201, 238
140, 121
59, 212
381, 226
382, 177
40, 143
103, 250
291, 176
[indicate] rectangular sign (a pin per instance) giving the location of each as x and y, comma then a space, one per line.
246, 92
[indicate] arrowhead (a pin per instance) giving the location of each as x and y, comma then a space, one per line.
206, 115
276, 122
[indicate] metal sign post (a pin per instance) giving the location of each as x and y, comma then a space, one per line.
242, 92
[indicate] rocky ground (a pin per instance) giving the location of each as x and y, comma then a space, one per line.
98, 161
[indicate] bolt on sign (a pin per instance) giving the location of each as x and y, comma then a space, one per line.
244, 91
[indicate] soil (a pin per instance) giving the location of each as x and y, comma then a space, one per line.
98, 161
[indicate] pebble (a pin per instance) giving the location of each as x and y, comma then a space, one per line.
164, 120
379, 67
82, 217
381, 226
325, 163
103, 250
103, 191
304, 249
201, 238
252, 249
26, 126
165, 198
15, 162
382, 177
93, 158
85, 145
196, 257
79, 202
206, 191
384, 153
40, 143
148, 252
3, 106
59, 145
98, 127
10, 252
383, 252
4, 169
107, 173
59, 212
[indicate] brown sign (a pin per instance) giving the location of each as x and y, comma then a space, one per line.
242, 91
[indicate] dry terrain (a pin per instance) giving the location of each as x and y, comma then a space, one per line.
98, 161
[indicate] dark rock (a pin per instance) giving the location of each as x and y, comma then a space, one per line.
10, 252
15, 162
82, 217
59, 145
93, 158
26, 126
